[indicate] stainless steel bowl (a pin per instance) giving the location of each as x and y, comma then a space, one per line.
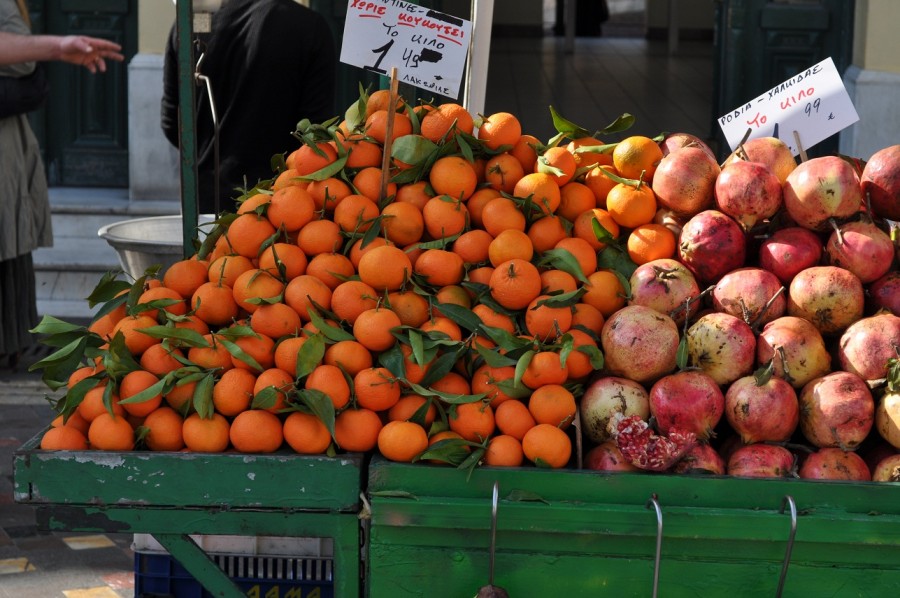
145, 242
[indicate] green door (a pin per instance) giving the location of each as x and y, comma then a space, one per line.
83, 129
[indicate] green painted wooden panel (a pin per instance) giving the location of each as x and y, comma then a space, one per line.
281, 480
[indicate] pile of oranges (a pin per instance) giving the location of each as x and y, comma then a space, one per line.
447, 312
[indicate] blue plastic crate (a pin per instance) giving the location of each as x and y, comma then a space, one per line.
158, 575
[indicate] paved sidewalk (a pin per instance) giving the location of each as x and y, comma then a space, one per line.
35, 563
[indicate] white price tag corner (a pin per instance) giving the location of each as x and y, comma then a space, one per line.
812, 105
428, 48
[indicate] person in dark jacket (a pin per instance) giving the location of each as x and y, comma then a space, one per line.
271, 63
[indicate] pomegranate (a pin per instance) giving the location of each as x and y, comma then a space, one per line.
689, 400
606, 396
702, 458
822, 189
748, 192
887, 418
761, 461
639, 343
862, 248
790, 250
868, 344
831, 298
881, 181
887, 470
607, 457
645, 449
762, 411
752, 294
721, 345
884, 293
670, 220
676, 141
836, 410
796, 349
711, 245
771, 151
835, 464
684, 181
665, 285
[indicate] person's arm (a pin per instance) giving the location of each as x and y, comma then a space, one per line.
169, 103
89, 52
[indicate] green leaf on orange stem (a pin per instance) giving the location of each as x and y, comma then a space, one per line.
320, 405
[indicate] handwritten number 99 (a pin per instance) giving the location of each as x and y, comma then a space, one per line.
812, 107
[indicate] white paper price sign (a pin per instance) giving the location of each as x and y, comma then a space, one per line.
427, 47
814, 104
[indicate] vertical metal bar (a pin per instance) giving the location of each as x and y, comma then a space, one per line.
788, 500
653, 502
187, 124
495, 500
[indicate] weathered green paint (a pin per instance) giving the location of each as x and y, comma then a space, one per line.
588, 533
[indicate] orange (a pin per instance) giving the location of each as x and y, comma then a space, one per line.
546, 232
473, 421
578, 364
331, 268
494, 319
575, 198
475, 205
327, 193
276, 320
637, 156
587, 317
320, 236
544, 368
453, 176
356, 213
440, 267
472, 246
499, 129
650, 242
377, 123
557, 281
259, 347
547, 444
226, 269
525, 151
410, 307
233, 391
541, 190
510, 244
181, 396
515, 283
407, 406
367, 182
256, 431
164, 430
286, 351
74, 420
64, 438
485, 380
373, 328
133, 383
306, 292
362, 153
402, 441
502, 172
552, 404
452, 383
288, 177
452, 294
559, 163
376, 388
605, 292
306, 434
444, 325
110, 432
257, 204
584, 227
444, 216
504, 451
275, 379
402, 223
185, 276
582, 251
161, 358
380, 99
247, 233
545, 322
214, 356
352, 298
385, 268
167, 299
214, 304
585, 159
136, 341
291, 208
192, 322
465, 449
599, 183
253, 287
501, 214
309, 158
446, 120
514, 418
350, 356
283, 260
357, 250
356, 430
330, 380
631, 206
416, 194
206, 435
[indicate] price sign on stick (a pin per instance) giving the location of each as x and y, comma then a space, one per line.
811, 105
427, 47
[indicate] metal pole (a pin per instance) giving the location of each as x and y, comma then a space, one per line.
187, 124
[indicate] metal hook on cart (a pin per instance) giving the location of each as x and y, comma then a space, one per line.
659, 533
495, 501
788, 501
200, 78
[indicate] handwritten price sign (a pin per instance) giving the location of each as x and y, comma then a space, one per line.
427, 47
813, 103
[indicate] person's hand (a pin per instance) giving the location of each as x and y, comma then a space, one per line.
89, 52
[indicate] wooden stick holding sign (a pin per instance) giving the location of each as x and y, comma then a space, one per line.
800, 148
389, 134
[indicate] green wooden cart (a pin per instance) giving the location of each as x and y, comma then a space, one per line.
583, 533
175, 495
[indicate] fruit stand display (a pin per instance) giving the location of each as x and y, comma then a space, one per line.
473, 305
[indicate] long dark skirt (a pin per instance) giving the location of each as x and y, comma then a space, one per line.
18, 304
